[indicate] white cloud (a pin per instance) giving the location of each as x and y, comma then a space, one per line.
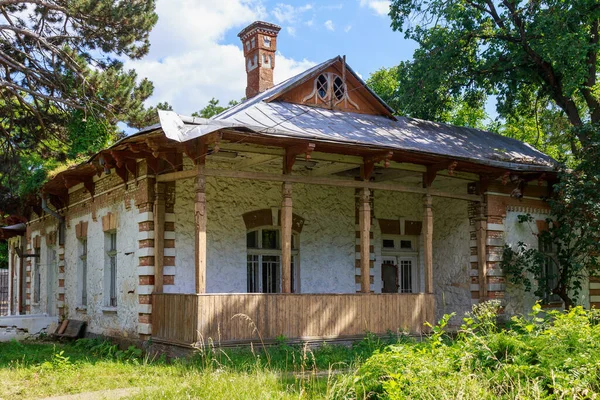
310, 22
291, 30
347, 28
329, 25
286, 67
381, 7
332, 7
188, 62
286, 13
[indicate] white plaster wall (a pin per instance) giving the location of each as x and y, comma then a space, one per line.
100, 318
326, 242
451, 257
517, 300
41, 307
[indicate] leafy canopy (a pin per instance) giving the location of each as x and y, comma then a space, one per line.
213, 108
574, 234
62, 72
523, 52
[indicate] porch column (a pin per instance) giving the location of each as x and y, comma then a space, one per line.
200, 217
428, 242
481, 236
159, 235
364, 221
286, 238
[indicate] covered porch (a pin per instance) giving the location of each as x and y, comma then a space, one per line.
291, 312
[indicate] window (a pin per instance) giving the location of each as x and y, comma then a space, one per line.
111, 269
51, 281
83, 271
267, 41
549, 270
397, 243
247, 46
406, 275
400, 257
322, 86
339, 89
253, 42
264, 260
37, 275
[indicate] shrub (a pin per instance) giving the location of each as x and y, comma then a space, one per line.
545, 355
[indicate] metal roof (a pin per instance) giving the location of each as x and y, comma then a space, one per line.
281, 119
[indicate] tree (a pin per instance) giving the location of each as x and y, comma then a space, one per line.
401, 88
3, 254
61, 60
519, 50
213, 108
574, 234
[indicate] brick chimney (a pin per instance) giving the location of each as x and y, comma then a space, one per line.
259, 41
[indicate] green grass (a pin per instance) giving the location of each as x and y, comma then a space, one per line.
554, 355
42, 369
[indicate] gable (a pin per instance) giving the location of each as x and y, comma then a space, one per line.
334, 87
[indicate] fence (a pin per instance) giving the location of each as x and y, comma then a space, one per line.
4, 299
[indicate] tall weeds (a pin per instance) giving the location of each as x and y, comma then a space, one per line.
549, 355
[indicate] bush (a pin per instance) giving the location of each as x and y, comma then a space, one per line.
545, 355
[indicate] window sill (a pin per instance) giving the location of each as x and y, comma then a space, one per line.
82, 309
109, 310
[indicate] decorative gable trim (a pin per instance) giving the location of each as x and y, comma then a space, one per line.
376, 101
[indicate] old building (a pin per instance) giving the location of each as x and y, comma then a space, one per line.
309, 208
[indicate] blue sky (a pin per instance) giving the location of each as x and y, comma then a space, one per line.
196, 54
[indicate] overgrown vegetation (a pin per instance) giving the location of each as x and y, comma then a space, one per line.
3, 254
569, 247
553, 355
549, 355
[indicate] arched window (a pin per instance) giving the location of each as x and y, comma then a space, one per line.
264, 260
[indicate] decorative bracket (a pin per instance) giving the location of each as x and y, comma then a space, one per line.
432, 170
196, 151
369, 163
292, 152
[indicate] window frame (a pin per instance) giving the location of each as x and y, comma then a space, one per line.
549, 253
111, 269
37, 275
257, 254
398, 239
400, 254
83, 272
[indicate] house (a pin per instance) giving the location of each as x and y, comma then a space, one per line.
310, 209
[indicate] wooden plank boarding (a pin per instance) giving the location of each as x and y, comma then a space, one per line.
189, 318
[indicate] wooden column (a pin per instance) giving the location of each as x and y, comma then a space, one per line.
364, 221
428, 242
159, 235
481, 235
200, 218
286, 238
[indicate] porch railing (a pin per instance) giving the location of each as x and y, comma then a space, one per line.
230, 318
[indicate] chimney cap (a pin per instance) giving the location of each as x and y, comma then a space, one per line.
259, 25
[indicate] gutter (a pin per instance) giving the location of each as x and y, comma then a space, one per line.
45, 207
